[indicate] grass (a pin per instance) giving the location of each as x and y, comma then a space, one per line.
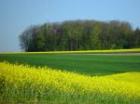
30, 85
81, 77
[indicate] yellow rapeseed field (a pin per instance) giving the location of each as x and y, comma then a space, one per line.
134, 50
43, 85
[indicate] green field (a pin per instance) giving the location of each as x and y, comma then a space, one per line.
70, 78
80, 63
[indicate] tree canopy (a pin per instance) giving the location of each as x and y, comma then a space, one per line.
80, 35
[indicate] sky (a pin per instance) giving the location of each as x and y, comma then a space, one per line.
18, 15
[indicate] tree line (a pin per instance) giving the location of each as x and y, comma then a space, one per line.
80, 35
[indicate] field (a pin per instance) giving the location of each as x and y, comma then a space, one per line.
87, 77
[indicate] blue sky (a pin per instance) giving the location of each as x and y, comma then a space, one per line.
17, 15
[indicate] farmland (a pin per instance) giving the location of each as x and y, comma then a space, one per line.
70, 77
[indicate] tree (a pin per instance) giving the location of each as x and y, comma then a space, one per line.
136, 38
26, 38
39, 40
80, 35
